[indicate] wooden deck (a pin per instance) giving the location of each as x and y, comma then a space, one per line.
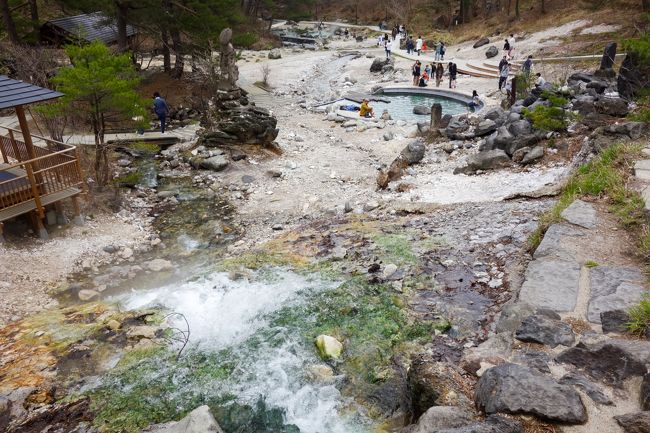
32, 178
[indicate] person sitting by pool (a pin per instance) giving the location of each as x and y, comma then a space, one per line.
366, 110
422, 82
425, 76
475, 102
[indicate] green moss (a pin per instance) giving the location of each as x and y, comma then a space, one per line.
258, 260
591, 264
395, 248
244, 40
146, 147
129, 180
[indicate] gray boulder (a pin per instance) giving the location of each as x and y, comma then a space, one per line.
500, 139
485, 127
611, 362
421, 109
614, 321
275, 54
457, 125
544, 330
511, 388
580, 213
200, 420
378, 64
516, 143
584, 104
5, 412
488, 160
413, 152
492, 51
580, 76
616, 107
520, 127
214, 163
633, 76
481, 42
634, 422
535, 154
518, 155
633, 130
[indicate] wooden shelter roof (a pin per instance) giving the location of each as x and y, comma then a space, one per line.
90, 27
14, 93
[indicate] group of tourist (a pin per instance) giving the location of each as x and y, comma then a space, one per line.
422, 77
526, 69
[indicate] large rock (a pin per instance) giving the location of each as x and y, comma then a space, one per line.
421, 109
535, 154
614, 321
511, 388
584, 104
520, 127
411, 154
634, 422
214, 163
633, 130
328, 347
379, 64
616, 107
496, 114
485, 127
431, 383
610, 362
613, 288
200, 420
438, 418
481, 42
488, 160
456, 126
519, 142
275, 54
607, 62
633, 76
491, 52
581, 214
238, 124
544, 330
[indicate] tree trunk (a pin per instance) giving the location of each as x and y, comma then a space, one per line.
167, 61
646, 5
543, 7
33, 12
179, 63
122, 12
8, 22
517, 9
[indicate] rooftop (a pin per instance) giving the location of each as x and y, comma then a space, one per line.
14, 93
90, 27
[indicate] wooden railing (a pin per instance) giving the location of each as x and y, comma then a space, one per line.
54, 168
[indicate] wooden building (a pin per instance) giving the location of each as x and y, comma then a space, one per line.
35, 172
85, 28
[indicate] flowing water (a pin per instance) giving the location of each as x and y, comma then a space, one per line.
236, 320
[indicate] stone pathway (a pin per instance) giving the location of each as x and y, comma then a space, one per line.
569, 276
642, 173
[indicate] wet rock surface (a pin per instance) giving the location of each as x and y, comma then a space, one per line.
544, 330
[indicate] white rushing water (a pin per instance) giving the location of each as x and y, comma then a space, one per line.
224, 313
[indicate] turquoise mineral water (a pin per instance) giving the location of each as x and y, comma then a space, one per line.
401, 106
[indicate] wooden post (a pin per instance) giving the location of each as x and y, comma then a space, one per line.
4, 154
436, 115
2, 227
24, 128
513, 91
37, 197
78, 218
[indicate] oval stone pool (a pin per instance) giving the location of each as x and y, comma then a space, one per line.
401, 105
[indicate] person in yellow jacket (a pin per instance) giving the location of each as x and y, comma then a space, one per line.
365, 110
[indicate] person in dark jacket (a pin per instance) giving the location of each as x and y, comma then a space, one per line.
440, 71
503, 62
527, 66
161, 109
453, 72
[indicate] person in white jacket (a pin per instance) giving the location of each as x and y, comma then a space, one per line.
418, 45
511, 41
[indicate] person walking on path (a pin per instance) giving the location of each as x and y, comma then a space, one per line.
418, 45
161, 109
442, 51
503, 62
503, 75
511, 42
416, 72
440, 71
453, 71
387, 46
527, 66
410, 45
506, 47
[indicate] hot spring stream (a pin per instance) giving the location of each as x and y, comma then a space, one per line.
244, 354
